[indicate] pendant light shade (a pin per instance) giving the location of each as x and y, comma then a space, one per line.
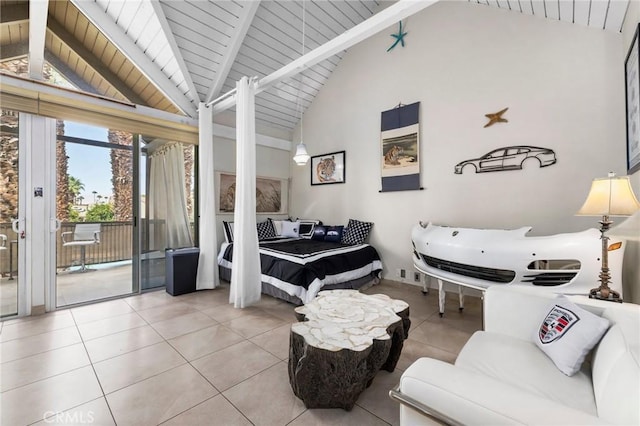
302, 156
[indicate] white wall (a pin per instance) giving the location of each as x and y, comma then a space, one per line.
631, 273
564, 89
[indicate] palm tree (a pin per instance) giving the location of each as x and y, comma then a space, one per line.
63, 199
121, 175
75, 187
9, 192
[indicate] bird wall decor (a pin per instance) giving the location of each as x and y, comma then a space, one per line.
496, 117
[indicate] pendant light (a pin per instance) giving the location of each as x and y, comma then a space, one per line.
302, 156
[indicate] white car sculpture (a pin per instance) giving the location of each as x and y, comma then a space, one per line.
478, 258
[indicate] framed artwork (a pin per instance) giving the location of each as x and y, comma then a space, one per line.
399, 148
271, 194
328, 168
632, 92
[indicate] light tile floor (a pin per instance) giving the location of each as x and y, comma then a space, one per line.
193, 360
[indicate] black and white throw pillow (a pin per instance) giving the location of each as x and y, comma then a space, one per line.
265, 230
357, 232
307, 226
227, 227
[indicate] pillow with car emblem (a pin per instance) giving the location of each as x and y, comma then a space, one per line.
567, 334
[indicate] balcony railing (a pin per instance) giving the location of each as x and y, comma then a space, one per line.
116, 241
115, 245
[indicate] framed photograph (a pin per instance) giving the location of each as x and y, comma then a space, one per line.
328, 168
271, 194
632, 89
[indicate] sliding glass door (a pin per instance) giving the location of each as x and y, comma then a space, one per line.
77, 224
167, 205
95, 210
11, 281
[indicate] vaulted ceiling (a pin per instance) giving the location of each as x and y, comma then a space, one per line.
171, 54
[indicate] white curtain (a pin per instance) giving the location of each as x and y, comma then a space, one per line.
168, 213
208, 263
245, 279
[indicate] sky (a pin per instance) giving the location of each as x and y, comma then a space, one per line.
90, 164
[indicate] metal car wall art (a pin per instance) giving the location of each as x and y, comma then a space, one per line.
509, 158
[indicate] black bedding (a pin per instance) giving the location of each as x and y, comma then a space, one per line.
301, 267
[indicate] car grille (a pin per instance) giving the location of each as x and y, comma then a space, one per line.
487, 274
550, 279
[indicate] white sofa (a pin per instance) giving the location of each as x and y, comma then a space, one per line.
502, 377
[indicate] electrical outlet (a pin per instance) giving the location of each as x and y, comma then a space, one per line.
403, 273
416, 277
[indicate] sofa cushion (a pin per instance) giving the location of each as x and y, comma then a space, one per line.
521, 364
567, 333
616, 367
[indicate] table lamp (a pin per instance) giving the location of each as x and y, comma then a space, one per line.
610, 196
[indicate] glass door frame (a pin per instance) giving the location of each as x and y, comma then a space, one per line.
34, 225
51, 287
24, 288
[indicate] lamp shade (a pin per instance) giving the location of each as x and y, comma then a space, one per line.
610, 196
301, 156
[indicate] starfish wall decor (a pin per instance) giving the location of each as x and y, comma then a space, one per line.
496, 117
399, 37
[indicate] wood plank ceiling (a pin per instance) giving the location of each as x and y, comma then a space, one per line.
171, 55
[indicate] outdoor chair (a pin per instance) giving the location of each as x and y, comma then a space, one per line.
84, 234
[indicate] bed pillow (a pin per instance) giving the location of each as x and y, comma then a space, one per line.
227, 227
334, 233
357, 232
319, 232
277, 226
290, 229
306, 227
567, 334
265, 230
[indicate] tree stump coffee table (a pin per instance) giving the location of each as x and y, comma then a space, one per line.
343, 339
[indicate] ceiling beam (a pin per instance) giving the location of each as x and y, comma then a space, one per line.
17, 50
107, 26
245, 19
93, 61
14, 13
227, 132
69, 74
175, 50
38, 10
15, 84
378, 22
